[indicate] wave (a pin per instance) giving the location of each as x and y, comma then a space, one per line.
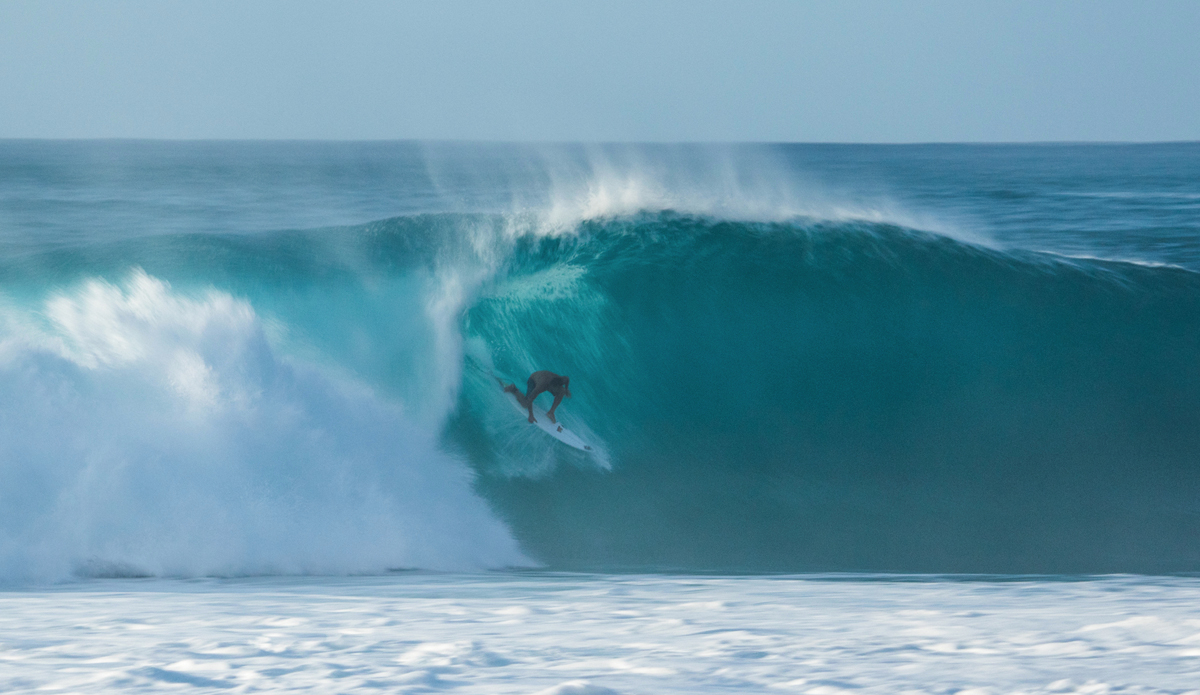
779, 393
828, 395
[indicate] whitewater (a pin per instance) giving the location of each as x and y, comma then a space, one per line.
867, 418
596, 635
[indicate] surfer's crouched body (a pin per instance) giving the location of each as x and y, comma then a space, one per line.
538, 382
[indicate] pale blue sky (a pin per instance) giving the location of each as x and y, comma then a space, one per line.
851, 71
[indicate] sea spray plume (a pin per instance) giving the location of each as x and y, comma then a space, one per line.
147, 432
745, 183
550, 189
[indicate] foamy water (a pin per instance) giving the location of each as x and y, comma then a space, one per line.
145, 432
589, 635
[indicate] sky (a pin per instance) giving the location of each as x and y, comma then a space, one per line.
614, 71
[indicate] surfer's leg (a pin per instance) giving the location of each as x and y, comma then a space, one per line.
531, 392
521, 398
557, 399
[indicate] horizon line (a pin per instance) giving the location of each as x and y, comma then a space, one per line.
482, 141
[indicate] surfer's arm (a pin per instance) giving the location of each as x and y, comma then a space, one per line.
558, 396
529, 398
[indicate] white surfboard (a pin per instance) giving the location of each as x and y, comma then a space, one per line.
557, 431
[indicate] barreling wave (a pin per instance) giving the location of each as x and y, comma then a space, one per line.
786, 394
813, 395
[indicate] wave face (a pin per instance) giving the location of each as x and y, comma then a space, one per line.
836, 396
774, 380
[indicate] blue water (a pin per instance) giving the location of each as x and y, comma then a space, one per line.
263, 358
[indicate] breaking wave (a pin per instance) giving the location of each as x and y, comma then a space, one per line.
147, 432
783, 392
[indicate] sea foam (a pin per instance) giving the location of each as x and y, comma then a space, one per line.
148, 432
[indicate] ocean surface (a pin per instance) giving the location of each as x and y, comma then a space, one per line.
864, 418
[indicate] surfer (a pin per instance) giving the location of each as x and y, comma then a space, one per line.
538, 382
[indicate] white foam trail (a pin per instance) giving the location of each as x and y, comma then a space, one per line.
147, 432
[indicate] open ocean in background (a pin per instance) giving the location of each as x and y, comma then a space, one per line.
867, 418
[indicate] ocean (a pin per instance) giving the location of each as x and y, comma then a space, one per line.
865, 418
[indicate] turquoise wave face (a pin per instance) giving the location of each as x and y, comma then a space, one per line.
820, 396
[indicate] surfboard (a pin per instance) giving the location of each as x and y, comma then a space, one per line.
557, 431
